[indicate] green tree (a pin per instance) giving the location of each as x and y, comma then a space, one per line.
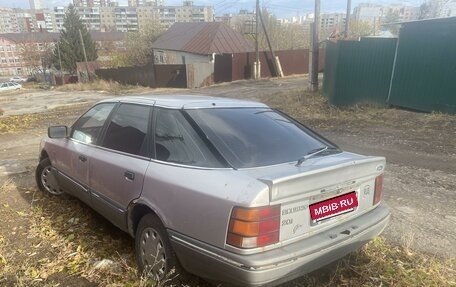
70, 45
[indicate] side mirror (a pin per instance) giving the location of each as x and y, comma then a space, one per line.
58, 132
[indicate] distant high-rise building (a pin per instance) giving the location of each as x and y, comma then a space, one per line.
369, 13
36, 4
8, 21
438, 9
448, 9
375, 14
104, 15
137, 3
91, 3
332, 20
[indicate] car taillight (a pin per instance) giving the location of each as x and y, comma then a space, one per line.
378, 189
254, 227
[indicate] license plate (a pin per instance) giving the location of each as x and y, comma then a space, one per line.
333, 206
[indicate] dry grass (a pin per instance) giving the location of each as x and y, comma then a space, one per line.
380, 263
100, 85
312, 106
66, 239
17, 123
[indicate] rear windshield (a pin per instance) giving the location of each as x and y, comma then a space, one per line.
254, 137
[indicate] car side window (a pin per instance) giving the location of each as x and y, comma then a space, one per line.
128, 129
176, 141
88, 128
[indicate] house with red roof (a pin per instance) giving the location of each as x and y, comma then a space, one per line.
188, 43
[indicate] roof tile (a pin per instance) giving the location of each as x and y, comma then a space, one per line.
203, 38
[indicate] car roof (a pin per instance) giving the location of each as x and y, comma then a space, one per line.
185, 101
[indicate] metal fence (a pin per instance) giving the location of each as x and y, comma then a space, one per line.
415, 71
154, 76
424, 76
239, 66
359, 71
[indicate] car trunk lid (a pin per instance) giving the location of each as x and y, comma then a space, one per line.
298, 189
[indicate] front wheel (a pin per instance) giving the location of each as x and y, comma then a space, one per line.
156, 259
45, 178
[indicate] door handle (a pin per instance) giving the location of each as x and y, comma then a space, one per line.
129, 175
82, 158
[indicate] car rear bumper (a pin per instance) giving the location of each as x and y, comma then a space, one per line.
282, 264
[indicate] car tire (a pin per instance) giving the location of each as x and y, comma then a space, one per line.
45, 178
154, 254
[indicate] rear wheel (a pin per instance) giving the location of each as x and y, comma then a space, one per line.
45, 178
156, 259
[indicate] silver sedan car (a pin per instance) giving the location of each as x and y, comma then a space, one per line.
229, 190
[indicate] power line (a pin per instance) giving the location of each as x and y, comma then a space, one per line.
227, 6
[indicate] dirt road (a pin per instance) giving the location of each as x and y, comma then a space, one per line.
420, 181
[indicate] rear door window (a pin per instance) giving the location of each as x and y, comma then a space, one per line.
176, 141
127, 131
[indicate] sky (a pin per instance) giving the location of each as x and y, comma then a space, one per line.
281, 8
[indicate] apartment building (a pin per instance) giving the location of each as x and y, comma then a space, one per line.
138, 3
104, 15
188, 12
59, 15
332, 21
13, 60
448, 9
36, 4
91, 17
126, 19
8, 21
368, 12
21, 53
374, 14
147, 15
90, 3
244, 21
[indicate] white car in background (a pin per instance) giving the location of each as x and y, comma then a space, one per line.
18, 79
10, 86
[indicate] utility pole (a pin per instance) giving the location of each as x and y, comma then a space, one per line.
60, 64
274, 59
257, 65
85, 55
315, 48
347, 19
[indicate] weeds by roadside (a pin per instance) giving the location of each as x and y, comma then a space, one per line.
17, 123
380, 263
99, 85
68, 240
307, 106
